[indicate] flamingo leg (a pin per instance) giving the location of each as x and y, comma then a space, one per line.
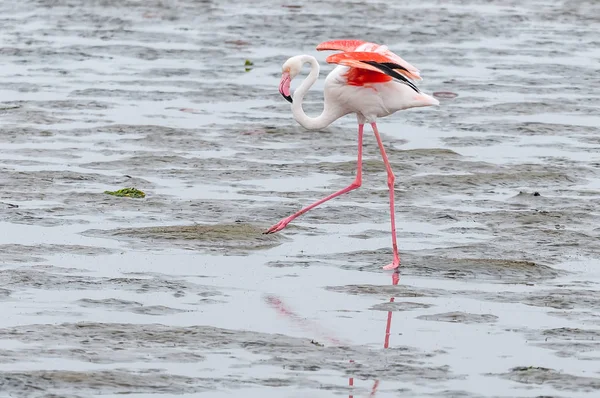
396, 263
357, 183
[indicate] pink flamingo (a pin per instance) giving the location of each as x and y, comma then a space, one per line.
369, 81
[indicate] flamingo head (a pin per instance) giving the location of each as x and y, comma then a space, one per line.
290, 70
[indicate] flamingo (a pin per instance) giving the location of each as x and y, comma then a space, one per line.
370, 81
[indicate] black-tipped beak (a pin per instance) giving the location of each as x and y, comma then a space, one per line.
284, 87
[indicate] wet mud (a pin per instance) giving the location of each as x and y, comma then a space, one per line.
294, 360
225, 238
460, 317
181, 293
557, 379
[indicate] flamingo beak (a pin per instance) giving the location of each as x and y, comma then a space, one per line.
284, 86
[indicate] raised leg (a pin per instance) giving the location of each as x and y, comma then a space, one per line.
357, 183
391, 179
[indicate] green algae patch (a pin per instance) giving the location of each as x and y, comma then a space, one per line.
127, 193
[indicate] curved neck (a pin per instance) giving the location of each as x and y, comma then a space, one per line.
327, 116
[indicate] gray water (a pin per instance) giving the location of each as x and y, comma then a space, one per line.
180, 293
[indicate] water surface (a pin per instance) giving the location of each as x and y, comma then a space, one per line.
180, 293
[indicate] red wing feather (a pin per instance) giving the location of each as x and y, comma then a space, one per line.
360, 77
340, 58
373, 62
341, 45
360, 59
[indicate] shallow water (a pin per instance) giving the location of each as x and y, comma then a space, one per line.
179, 293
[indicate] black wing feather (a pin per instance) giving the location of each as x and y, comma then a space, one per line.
388, 69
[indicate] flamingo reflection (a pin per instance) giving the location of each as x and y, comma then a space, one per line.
313, 327
386, 340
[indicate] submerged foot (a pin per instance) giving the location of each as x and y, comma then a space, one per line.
279, 226
395, 264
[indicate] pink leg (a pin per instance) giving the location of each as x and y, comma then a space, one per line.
391, 179
357, 183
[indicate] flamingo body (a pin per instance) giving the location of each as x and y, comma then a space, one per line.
370, 95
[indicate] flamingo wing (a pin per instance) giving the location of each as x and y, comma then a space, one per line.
374, 62
362, 46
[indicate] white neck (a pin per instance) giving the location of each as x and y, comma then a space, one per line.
329, 114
